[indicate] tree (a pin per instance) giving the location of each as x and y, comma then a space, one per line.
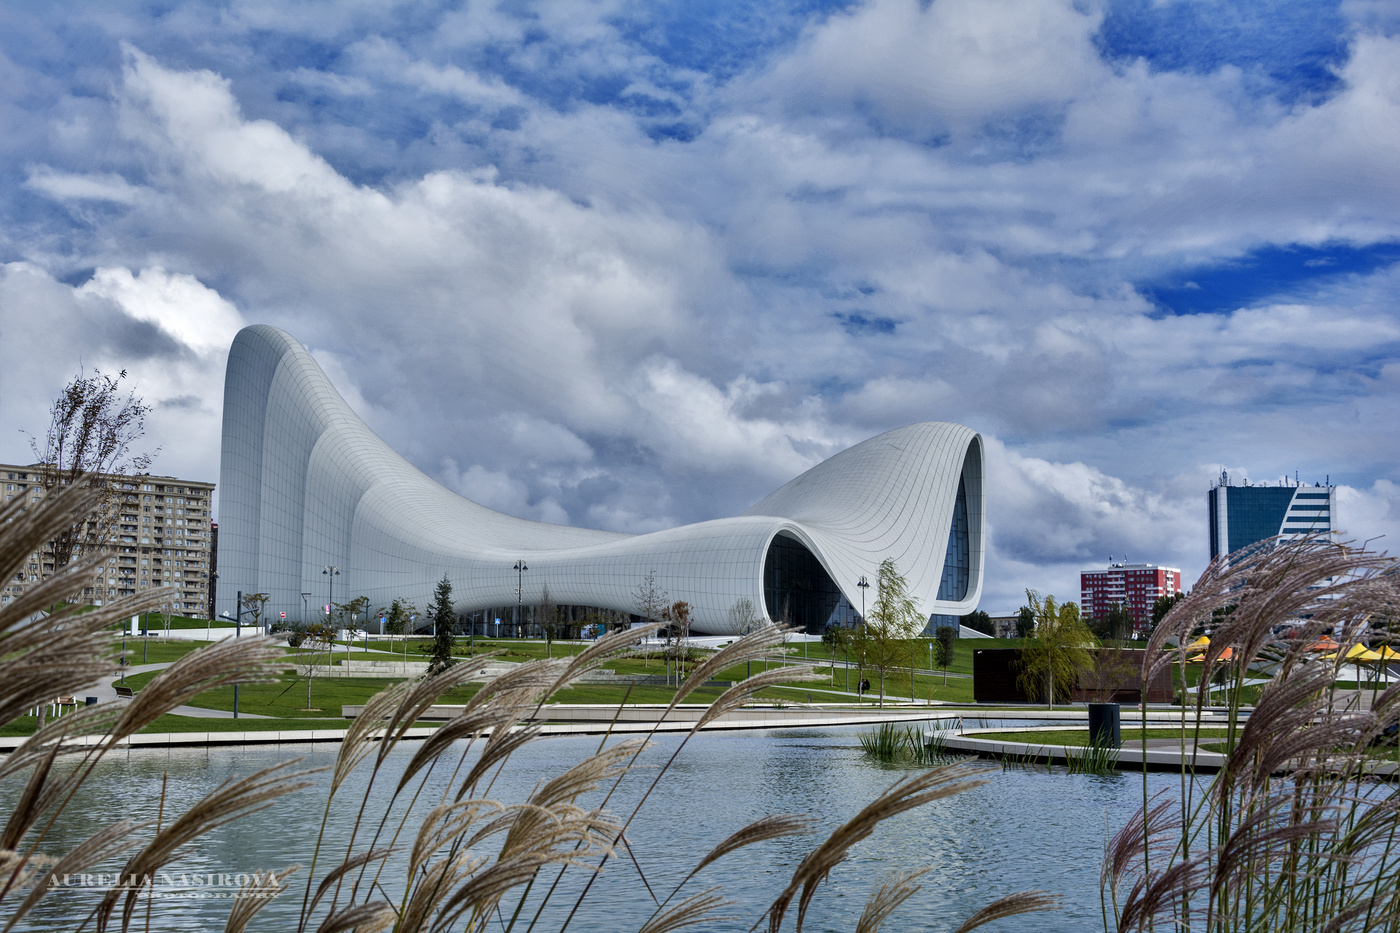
744, 619
979, 621
444, 640
1163, 605
548, 613
1025, 622
677, 616
946, 638
348, 612
894, 620
836, 640
92, 428
310, 642
397, 619
1115, 626
253, 604
650, 600
1059, 649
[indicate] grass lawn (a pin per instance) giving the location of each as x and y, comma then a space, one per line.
1080, 737
158, 651
286, 697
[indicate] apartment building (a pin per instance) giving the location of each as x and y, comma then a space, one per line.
161, 537
1133, 586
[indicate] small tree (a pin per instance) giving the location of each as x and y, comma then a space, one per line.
835, 640
894, 620
549, 620
397, 619
743, 619
311, 641
92, 427
253, 603
677, 616
1059, 650
946, 638
650, 601
444, 639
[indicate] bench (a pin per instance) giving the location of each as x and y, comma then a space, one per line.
125, 693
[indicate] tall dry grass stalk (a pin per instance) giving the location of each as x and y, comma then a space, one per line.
1297, 831
427, 823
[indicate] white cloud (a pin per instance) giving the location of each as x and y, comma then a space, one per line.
178, 304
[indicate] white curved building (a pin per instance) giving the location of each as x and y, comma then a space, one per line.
305, 484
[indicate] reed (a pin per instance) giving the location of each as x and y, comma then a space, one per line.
1297, 831
461, 858
1095, 758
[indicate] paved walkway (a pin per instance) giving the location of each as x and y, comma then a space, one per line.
106, 692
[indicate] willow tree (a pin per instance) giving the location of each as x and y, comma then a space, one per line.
1059, 648
893, 622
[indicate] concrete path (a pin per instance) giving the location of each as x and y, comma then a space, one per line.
106, 692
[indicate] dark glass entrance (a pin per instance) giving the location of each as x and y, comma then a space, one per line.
796, 590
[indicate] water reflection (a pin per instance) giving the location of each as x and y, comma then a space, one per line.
1024, 829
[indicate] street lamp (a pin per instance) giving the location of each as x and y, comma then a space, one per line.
330, 573
864, 585
519, 569
238, 633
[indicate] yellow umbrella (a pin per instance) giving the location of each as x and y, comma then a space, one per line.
1202, 642
1386, 653
1360, 652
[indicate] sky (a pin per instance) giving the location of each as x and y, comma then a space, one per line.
630, 265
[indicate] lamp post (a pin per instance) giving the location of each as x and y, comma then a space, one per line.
519, 569
238, 633
864, 585
330, 573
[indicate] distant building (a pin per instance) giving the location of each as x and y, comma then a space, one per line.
1135, 586
1245, 515
160, 538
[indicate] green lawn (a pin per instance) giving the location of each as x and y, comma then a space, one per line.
158, 651
1080, 737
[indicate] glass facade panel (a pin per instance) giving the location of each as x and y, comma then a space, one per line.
1256, 512
796, 589
957, 560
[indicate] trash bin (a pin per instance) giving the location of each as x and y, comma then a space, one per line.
1105, 727
90, 701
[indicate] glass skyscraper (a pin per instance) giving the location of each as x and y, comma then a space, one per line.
1245, 515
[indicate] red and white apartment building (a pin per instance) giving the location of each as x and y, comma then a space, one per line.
1136, 586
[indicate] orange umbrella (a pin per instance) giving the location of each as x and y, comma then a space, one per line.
1325, 643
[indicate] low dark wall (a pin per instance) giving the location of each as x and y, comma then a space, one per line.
994, 673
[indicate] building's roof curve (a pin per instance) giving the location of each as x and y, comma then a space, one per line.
307, 481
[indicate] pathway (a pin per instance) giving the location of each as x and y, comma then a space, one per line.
106, 692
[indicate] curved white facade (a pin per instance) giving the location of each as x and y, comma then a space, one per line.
304, 483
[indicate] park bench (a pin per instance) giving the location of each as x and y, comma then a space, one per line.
125, 693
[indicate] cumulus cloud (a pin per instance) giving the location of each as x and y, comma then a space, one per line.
591, 263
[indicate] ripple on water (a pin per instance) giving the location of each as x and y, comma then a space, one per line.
1023, 829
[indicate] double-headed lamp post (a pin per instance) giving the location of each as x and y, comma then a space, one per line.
519, 569
330, 573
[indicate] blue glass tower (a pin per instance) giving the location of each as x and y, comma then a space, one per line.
1244, 515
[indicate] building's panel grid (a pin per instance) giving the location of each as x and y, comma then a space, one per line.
316, 487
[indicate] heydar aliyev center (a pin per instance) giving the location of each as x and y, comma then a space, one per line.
305, 484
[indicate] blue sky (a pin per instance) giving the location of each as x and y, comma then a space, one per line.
629, 265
